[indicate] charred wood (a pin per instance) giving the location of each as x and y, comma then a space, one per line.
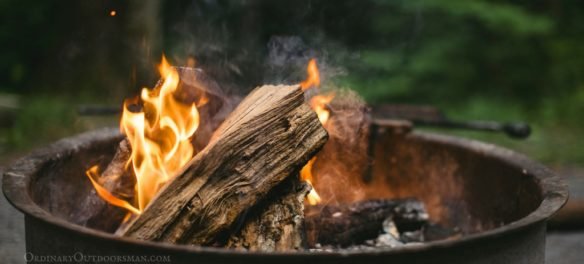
118, 180
348, 224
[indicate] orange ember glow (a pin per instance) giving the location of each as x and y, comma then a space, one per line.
313, 79
113, 13
318, 104
160, 135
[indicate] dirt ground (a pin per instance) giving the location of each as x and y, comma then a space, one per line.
11, 234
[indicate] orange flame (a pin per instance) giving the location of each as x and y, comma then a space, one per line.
318, 104
306, 174
105, 194
160, 136
313, 79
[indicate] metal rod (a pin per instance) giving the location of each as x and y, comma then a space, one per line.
517, 130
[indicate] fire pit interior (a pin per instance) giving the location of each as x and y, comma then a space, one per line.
473, 193
498, 199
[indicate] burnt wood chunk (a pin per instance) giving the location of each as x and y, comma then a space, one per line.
350, 224
118, 180
277, 223
266, 139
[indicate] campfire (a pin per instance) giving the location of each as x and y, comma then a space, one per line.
283, 171
422, 198
291, 173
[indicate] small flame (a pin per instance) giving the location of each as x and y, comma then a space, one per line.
313, 79
160, 136
318, 104
113, 13
306, 174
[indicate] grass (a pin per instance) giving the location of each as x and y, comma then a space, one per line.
44, 119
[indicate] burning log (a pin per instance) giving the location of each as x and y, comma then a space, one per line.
348, 224
117, 179
277, 223
266, 139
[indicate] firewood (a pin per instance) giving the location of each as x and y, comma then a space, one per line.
117, 178
266, 139
348, 224
277, 223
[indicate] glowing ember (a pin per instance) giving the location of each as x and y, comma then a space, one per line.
160, 136
113, 13
318, 104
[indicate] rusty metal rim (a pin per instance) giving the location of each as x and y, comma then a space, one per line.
555, 193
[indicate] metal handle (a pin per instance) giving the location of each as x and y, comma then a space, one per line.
517, 130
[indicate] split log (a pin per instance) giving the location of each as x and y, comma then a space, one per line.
266, 139
118, 176
116, 179
350, 224
277, 223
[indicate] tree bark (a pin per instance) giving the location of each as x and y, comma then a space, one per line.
118, 180
277, 223
266, 139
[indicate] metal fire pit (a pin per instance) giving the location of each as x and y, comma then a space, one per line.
499, 199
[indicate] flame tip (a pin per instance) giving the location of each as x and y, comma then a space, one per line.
313, 79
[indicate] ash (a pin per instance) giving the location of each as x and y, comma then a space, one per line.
389, 238
408, 226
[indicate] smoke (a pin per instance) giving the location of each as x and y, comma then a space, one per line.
341, 165
282, 59
288, 56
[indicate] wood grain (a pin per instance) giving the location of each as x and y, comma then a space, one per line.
277, 223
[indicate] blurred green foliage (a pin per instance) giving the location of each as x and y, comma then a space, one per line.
483, 59
476, 59
43, 118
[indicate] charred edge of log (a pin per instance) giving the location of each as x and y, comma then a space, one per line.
117, 179
349, 224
